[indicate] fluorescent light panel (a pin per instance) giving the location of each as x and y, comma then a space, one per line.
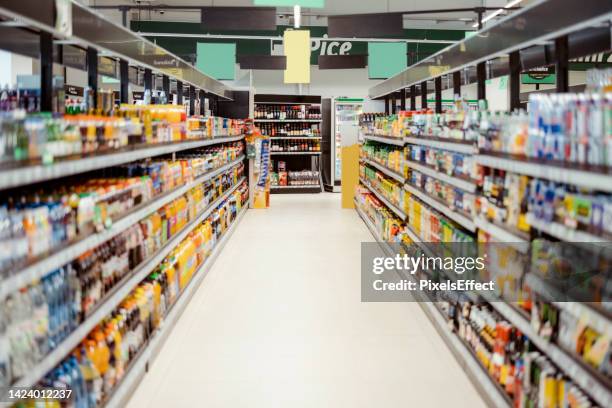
498, 12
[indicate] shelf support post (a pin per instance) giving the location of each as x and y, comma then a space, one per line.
481, 78
124, 80
562, 64
46, 71
412, 97
393, 104
438, 92
403, 99
192, 97
92, 74
515, 80
148, 79
387, 105
202, 102
457, 83
424, 95
179, 92
166, 85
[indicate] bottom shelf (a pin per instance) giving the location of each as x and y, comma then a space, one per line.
311, 189
140, 365
486, 386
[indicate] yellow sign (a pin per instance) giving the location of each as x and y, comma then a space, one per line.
297, 51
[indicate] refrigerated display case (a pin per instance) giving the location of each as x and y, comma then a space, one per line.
344, 123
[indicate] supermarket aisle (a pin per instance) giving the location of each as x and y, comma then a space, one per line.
278, 322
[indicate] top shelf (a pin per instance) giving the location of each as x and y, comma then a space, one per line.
90, 29
24, 175
530, 26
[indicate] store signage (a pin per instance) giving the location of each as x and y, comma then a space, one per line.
539, 75
107, 66
74, 57
185, 46
162, 61
73, 90
135, 76
137, 95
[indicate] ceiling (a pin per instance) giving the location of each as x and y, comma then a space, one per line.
313, 16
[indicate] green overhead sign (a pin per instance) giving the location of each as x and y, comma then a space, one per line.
185, 47
386, 59
217, 60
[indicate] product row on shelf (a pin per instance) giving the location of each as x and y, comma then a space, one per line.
302, 145
290, 129
46, 137
294, 178
540, 345
96, 366
287, 111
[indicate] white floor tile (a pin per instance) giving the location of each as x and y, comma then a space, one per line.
278, 322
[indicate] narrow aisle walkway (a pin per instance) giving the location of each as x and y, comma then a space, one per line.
278, 322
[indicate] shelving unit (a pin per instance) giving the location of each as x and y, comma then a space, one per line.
94, 36
491, 392
502, 47
113, 299
294, 161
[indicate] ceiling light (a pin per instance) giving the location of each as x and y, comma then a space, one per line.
297, 17
498, 12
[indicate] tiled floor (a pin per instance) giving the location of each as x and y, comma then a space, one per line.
278, 322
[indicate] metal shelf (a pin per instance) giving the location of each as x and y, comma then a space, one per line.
459, 218
566, 363
385, 170
107, 306
295, 153
529, 26
288, 120
465, 185
396, 141
295, 137
70, 252
598, 319
569, 174
23, 175
295, 187
91, 29
139, 366
385, 201
562, 232
489, 390
448, 144
502, 234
